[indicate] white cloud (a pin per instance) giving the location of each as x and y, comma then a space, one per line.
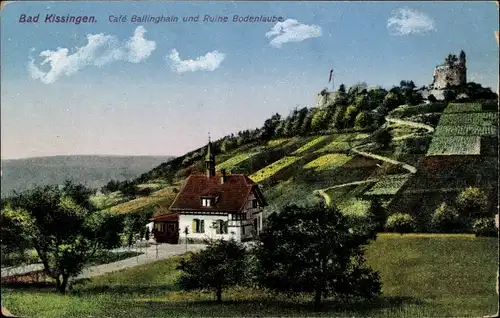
100, 50
209, 62
407, 21
292, 31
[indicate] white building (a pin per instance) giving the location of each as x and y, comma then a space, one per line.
216, 205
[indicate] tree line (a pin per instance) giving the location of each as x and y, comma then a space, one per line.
65, 228
358, 108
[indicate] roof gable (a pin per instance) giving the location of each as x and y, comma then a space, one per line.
230, 196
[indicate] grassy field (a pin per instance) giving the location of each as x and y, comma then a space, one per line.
422, 275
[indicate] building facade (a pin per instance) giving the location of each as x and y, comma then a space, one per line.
216, 205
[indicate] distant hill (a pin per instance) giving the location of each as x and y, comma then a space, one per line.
94, 171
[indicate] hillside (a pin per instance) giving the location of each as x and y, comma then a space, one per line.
352, 167
94, 171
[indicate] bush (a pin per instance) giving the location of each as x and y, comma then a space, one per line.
485, 227
400, 223
382, 137
472, 203
446, 219
377, 214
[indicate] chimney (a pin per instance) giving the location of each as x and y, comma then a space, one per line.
223, 178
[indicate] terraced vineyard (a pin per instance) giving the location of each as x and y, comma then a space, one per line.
463, 108
455, 145
460, 130
389, 186
309, 145
234, 161
164, 196
328, 162
277, 142
466, 130
270, 170
478, 119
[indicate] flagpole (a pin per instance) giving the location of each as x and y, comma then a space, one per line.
333, 86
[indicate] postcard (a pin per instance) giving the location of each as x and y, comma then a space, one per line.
267, 158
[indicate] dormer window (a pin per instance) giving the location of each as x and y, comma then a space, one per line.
206, 202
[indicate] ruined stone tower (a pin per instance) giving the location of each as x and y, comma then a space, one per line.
451, 73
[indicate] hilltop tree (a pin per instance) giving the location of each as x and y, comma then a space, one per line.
363, 120
451, 59
312, 249
220, 265
269, 128
64, 228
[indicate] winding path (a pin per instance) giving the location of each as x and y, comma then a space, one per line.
410, 168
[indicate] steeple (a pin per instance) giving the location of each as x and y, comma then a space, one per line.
210, 159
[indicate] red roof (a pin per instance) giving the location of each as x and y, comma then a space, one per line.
168, 217
230, 196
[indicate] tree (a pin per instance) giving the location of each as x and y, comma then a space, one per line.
270, 125
377, 214
431, 98
312, 249
350, 115
472, 203
382, 137
64, 227
449, 95
128, 189
446, 219
451, 59
220, 265
400, 223
363, 120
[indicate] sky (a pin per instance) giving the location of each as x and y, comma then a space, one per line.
112, 85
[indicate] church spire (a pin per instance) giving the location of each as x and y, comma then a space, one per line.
210, 159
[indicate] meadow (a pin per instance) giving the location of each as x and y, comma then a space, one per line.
420, 278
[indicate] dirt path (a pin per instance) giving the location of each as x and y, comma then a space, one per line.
149, 255
356, 150
409, 123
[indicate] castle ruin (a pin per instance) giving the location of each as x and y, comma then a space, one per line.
453, 72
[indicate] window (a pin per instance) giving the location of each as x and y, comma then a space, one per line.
160, 227
220, 227
242, 230
198, 226
255, 204
255, 225
206, 202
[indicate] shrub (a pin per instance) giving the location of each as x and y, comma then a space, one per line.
382, 137
472, 203
400, 223
446, 219
377, 214
485, 227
